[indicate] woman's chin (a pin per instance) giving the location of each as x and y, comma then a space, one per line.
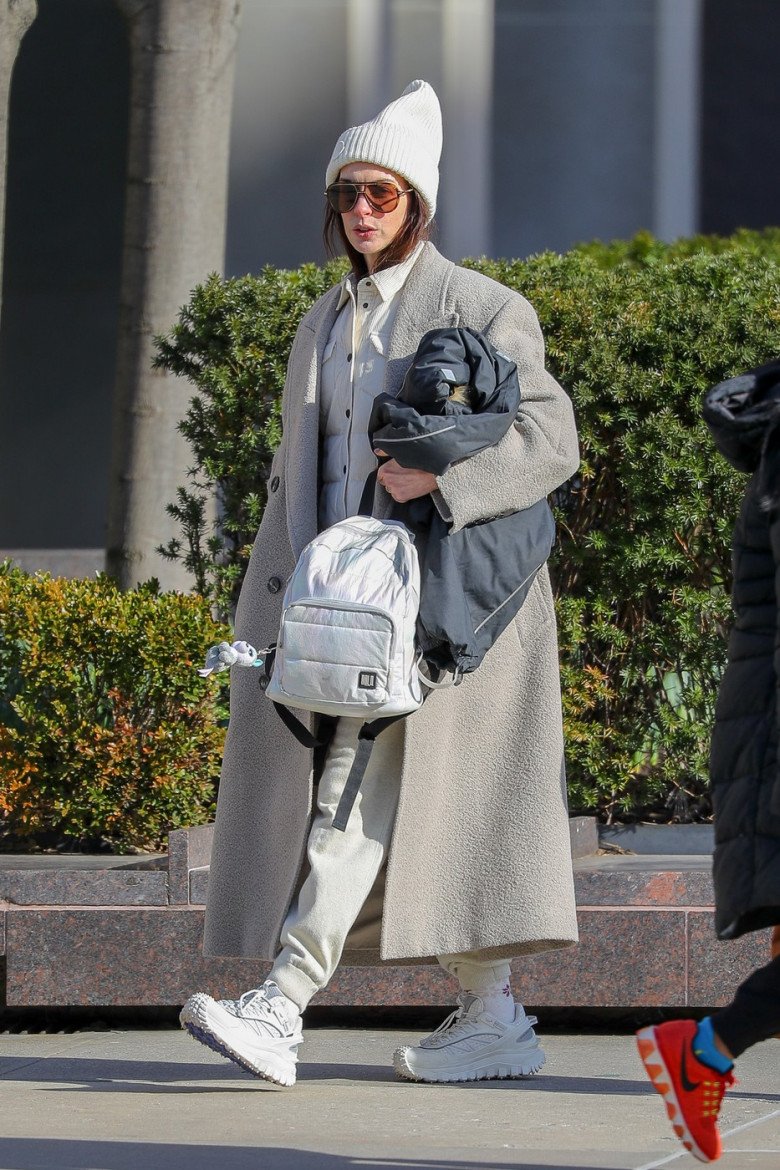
368, 243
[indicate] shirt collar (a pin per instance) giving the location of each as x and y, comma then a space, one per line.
387, 282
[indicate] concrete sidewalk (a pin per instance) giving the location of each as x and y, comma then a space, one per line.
156, 1100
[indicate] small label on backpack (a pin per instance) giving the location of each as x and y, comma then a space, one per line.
367, 680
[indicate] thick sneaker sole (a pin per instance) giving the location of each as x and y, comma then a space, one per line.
487, 1069
655, 1068
275, 1062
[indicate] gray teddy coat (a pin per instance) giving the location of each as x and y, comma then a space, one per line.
480, 855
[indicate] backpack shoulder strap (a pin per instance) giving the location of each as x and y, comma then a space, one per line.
366, 506
301, 732
366, 737
305, 737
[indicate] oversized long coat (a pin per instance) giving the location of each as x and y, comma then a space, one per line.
480, 855
743, 415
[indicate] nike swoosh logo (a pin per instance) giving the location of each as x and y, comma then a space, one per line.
689, 1085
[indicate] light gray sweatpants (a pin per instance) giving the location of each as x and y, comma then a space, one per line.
343, 868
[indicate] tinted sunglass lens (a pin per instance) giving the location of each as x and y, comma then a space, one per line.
342, 197
382, 196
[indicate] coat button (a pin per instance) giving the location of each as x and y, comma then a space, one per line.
274, 484
264, 681
274, 584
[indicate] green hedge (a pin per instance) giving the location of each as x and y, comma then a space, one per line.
232, 342
642, 567
644, 249
636, 331
107, 734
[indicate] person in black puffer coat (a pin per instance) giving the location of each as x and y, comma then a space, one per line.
689, 1064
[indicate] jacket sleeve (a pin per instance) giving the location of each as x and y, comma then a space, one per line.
774, 537
537, 454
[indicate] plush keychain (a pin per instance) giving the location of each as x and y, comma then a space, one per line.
228, 654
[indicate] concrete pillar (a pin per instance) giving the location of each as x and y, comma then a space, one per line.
369, 65
182, 66
16, 16
467, 104
677, 116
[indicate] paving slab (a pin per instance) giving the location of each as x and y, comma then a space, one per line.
156, 1100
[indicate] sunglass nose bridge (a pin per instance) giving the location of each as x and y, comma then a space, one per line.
361, 192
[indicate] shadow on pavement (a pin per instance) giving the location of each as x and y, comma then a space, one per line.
134, 1076
34, 1153
67, 1070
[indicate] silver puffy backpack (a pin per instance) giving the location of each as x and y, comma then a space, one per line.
346, 642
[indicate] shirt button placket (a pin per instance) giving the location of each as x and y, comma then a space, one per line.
351, 376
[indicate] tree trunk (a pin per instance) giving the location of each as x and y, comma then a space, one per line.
16, 16
182, 66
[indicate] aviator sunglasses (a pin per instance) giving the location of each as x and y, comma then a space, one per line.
382, 196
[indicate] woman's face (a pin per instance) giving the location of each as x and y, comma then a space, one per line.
370, 231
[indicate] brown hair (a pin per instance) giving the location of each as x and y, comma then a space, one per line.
413, 230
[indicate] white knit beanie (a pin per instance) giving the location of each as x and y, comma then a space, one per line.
405, 137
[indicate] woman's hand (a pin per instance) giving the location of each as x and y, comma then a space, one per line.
404, 483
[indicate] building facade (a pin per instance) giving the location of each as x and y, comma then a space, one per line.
564, 120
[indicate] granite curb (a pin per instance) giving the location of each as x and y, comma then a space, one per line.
127, 932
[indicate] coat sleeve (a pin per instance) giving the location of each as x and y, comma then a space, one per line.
537, 454
774, 537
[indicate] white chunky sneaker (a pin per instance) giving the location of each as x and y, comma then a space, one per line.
472, 1045
260, 1031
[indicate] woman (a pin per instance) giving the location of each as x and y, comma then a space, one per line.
466, 798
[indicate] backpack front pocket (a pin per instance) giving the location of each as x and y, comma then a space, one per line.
346, 649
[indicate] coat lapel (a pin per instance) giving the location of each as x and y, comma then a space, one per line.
423, 306
302, 423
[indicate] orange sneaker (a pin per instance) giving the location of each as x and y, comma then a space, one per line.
692, 1091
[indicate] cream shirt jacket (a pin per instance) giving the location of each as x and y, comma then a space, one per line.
353, 373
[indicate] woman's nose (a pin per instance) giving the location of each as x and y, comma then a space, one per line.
362, 195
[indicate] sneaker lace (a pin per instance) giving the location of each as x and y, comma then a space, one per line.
713, 1091
461, 1020
452, 1021
255, 1004
255, 1001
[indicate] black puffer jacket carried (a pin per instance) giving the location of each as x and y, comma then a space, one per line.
460, 395
743, 415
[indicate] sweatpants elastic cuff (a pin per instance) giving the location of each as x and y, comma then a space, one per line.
473, 974
295, 984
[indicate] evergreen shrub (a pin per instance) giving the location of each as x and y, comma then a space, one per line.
232, 342
107, 734
636, 331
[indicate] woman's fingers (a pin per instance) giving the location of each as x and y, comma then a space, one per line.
405, 483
